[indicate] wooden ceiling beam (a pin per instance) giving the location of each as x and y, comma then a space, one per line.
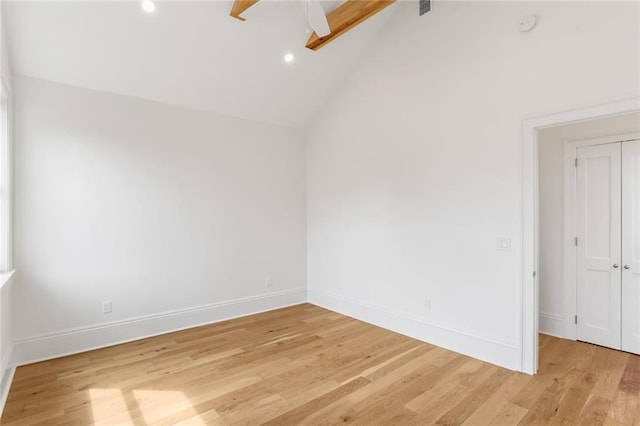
347, 16
239, 6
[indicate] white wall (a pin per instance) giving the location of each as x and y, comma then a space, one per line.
156, 208
553, 312
415, 166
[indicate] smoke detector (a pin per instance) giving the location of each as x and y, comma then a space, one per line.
527, 23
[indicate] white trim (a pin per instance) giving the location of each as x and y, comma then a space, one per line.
551, 324
495, 351
5, 277
4, 86
69, 342
6, 179
6, 378
569, 248
6, 369
549, 333
570, 330
529, 284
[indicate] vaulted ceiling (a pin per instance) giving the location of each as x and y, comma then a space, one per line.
191, 54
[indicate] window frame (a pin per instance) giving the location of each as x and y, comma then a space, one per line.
6, 180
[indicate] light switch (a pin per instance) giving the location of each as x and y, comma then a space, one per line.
504, 244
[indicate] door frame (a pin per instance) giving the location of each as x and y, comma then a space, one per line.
630, 303
530, 245
570, 216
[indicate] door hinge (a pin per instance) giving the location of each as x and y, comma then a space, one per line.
575, 319
534, 274
576, 162
576, 241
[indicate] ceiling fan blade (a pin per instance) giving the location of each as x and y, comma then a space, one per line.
317, 18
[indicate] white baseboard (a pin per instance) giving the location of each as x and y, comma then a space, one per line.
490, 350
551, 324
69, 342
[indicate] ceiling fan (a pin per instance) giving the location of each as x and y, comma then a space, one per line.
316, 18
327, 27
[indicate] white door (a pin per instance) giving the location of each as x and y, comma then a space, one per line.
631, 246
598, 257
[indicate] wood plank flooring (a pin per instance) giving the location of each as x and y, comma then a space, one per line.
307, 365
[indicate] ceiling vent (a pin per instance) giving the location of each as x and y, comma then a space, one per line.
425, 6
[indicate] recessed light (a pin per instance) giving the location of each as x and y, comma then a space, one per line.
148, 6
288, 58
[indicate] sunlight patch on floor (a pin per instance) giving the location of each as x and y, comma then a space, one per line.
109, 407
141, 407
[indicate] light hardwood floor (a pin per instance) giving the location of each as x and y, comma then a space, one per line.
307, 365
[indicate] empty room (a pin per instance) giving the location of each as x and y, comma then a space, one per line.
310, 212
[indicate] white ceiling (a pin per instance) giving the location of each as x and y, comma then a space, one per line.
191, 54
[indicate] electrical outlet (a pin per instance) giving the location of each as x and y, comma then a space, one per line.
106, 307
427, 304
267, 282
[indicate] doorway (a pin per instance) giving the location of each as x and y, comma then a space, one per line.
581, 275
528, 284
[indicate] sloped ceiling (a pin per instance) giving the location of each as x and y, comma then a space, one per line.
191, 54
